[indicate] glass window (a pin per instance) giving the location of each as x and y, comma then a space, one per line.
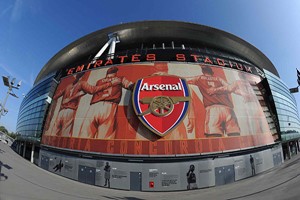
286, 107
32, 110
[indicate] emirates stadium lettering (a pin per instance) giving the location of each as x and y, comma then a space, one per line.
163, 55
161, 87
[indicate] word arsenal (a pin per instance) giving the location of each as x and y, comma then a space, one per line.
161, 87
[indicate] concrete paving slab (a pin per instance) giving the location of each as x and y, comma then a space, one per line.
27, 181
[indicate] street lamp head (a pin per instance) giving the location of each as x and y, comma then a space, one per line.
19, 84
10, 85
12, 82
13, 94
3, 112
5, 80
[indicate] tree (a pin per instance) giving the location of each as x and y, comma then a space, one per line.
12, 135
3, 129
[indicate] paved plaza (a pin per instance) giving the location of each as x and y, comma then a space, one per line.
22, 180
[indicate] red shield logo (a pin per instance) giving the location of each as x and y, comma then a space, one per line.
161, 102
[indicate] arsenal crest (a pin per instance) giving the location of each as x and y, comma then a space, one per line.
161, 102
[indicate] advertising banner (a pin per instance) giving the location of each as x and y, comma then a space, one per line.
158, 108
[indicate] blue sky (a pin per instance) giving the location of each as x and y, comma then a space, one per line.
32, 31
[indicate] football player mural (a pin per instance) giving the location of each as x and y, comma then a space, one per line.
70, 97
99, 121
157, 108
220, 118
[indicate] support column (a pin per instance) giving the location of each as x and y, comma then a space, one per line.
19, 148
24, 150
289, 150
32, 153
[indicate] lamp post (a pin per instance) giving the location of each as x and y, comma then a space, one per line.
11, 86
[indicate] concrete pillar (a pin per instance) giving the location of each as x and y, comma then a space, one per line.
32, 153
24, 150
289, 150
19, 148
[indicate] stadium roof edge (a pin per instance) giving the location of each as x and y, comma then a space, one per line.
143, 31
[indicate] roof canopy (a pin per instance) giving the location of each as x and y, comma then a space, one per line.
137, 33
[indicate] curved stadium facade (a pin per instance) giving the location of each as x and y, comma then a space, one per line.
158, 106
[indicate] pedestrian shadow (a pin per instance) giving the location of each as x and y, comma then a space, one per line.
3, 177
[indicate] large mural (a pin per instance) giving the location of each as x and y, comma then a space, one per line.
158, 108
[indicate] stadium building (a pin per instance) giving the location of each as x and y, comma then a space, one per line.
158, 106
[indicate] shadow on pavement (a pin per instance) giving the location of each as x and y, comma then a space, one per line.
290, 163
3, 177
125, 198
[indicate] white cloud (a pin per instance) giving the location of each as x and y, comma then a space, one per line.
6, 10
17, 11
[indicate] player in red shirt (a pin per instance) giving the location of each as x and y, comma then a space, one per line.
71, 95
99, 121
254, 117
220, 119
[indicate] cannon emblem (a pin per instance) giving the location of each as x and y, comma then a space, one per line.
161, 102
161, 106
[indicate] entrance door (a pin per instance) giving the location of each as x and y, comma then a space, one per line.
136, 181
220, 176
229, 174
45, 162
224, 175
277, 158
86, 174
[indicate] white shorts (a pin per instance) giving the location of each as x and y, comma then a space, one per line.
64, 122
99, 121
220, 120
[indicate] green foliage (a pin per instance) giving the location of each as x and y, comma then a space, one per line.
3, 129
12, 135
